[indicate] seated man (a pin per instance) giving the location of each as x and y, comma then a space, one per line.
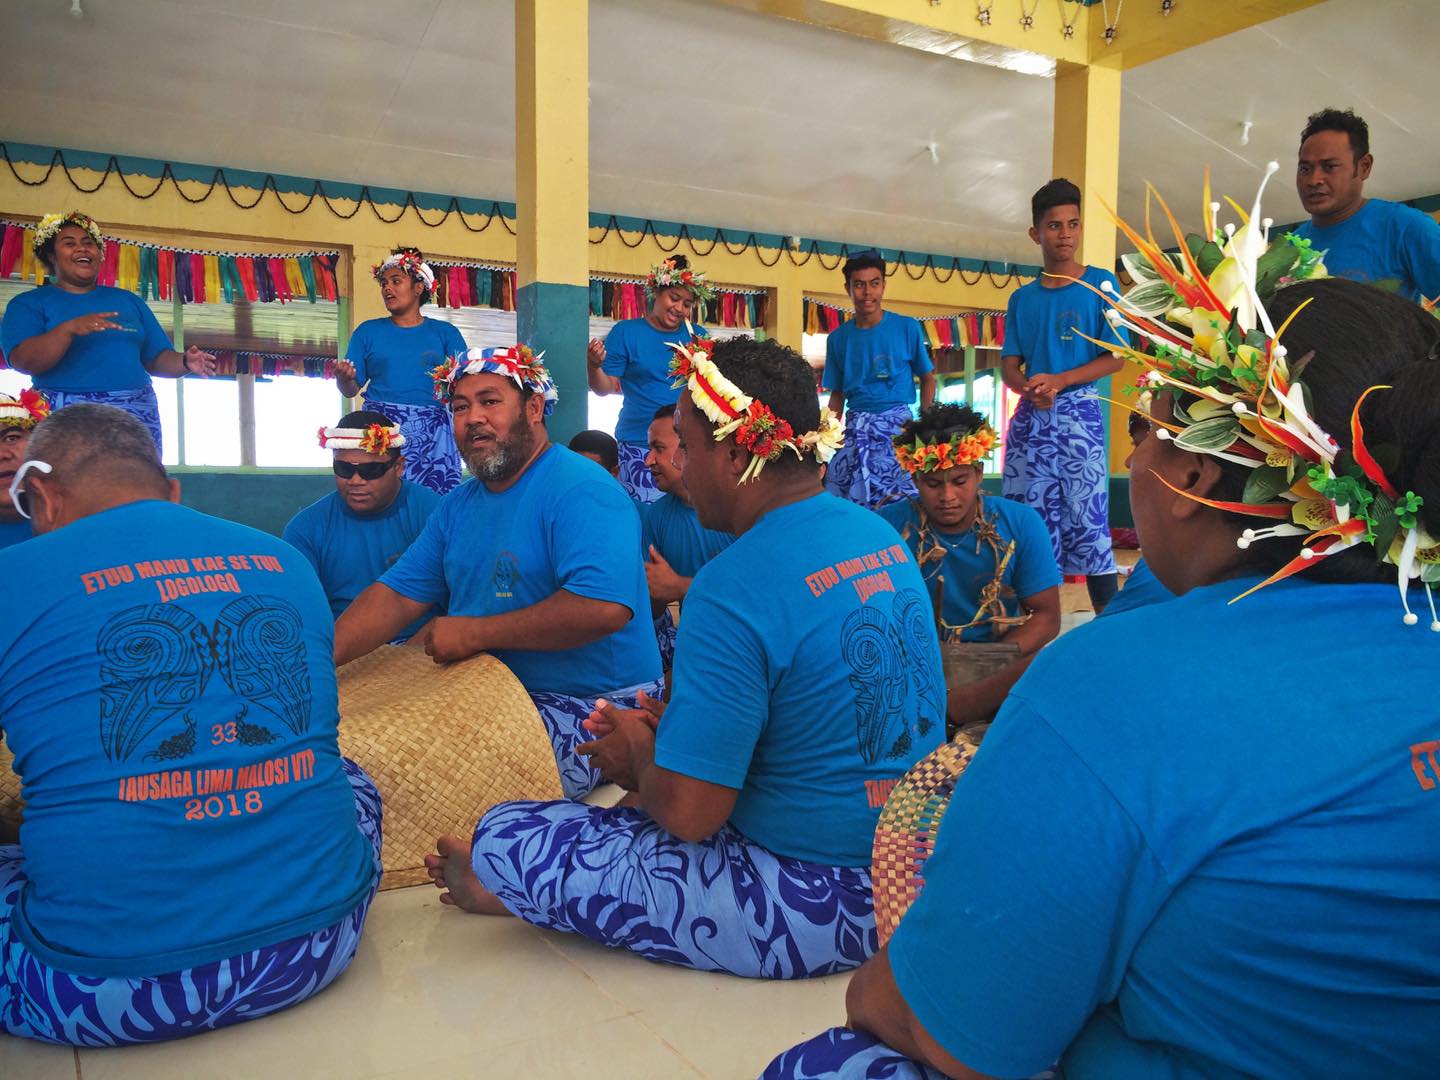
807, 681
18, 417
354, 534
600, 447
199, 862
988, 563
675, 544
533, 557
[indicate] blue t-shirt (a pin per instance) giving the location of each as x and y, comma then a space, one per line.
107, 360
639, 356
397, 360
168, 689
350, 551
969, 563
1383, 243
674, 528
565, 524
876, 368
807, 677
1142, 588
1234, 872
1043, 325
14, 532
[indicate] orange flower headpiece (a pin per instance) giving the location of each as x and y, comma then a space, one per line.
666, 276
964, 447
754, 425
375, 439
25, 411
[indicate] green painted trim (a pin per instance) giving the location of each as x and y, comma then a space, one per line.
555, 319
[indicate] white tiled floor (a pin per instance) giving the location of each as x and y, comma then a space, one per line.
433, 992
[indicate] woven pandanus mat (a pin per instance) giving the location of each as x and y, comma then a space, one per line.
443, 743
905, 834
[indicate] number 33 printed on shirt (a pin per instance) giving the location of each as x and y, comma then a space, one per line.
156, 661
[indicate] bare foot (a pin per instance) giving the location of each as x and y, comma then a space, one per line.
450, 870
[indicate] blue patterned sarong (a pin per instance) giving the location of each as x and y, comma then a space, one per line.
38, 1001
1055, 462
141, 404
564, 716
725, 904
845, 1054
635, 476
665, 634
865, 470
431, 457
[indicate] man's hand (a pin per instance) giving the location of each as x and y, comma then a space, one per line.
199, 362
595, 353
601, 721
449, 638
629, 748
344, 369
666, 586
1041, 389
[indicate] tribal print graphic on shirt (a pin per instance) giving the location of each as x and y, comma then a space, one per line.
156, 661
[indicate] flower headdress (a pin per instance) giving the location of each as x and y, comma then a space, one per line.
517, 362
963, 446
753, 424
373, 439
25, 411
51, 224
667, 276
411, 263
1203, 313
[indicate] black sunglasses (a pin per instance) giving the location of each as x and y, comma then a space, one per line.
368, 470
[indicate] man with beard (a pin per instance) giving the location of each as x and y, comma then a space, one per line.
676, 545
533, 558
807, 681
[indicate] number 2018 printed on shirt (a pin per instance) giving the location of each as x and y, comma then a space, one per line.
227, 806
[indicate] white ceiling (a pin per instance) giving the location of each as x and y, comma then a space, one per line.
703, 113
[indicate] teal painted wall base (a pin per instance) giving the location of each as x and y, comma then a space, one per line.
555, 319
262, 500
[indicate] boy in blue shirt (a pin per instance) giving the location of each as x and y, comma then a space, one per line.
533, 557
1387, 244
1055, 450
392, 361
674, 543
358, 531
987, 563
807, 681
195, 850
871, 364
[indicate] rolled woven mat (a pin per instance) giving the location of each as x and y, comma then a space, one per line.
905, 834
443, 743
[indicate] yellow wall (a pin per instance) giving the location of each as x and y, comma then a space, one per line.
364, 239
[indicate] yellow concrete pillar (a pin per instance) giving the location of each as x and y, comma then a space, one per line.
1086, 150
787, 311
552, 187
366, 302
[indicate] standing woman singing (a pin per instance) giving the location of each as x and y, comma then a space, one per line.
81, 341
634, 360
390, 359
